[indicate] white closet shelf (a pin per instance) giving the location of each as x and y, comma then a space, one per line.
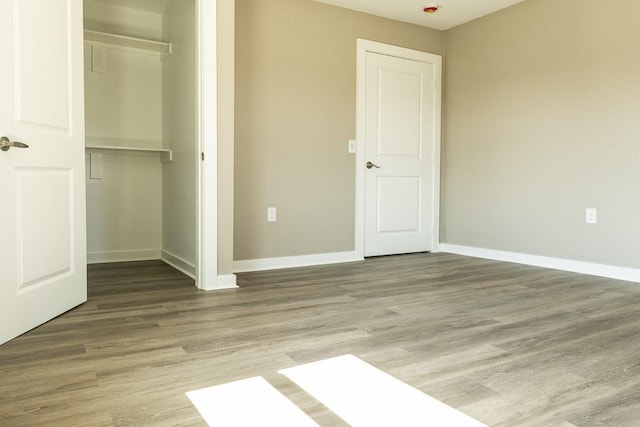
166, 155
160, 47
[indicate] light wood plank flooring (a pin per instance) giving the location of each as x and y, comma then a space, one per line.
510, 345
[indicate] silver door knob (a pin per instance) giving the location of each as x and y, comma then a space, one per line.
6, 143
372, 165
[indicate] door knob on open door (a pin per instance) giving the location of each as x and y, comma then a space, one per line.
6, 143
372, 165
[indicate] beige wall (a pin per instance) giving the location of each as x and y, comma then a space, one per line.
111, 18
542, 120
124, 101
123, 107
179, 124
124, 208
295, 111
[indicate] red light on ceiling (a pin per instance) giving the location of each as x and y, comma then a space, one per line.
430, 9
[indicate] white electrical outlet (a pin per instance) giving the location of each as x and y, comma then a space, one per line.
591, 216
271, 215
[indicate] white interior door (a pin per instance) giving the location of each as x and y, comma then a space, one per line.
401, 127
42, 198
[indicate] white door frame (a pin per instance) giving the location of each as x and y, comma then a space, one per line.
363, 47
207, 135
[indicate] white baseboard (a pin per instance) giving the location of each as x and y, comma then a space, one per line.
222, 282
227, 281
602, 270
122, 256
295, 261
179, 264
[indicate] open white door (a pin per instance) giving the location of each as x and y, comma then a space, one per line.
42, 197
401, 138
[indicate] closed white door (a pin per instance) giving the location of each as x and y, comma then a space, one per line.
400, 136
42, 197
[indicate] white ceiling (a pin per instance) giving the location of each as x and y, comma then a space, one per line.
154, 6
451, 13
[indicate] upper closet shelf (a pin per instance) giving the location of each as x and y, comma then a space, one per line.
158, 47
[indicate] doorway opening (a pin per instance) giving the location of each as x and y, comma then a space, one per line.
141, 125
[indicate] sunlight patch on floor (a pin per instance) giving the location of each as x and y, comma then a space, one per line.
250, 402
361, 394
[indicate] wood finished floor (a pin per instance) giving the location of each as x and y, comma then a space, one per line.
510, 345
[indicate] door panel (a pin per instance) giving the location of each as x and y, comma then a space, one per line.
42, 58
398, 204
400, 139
42, 232
39, 262
399, 113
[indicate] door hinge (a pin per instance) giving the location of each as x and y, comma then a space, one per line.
202, 156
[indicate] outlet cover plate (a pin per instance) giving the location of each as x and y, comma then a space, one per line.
271, 215
352, 146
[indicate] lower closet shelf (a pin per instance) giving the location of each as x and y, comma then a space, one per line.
166, 155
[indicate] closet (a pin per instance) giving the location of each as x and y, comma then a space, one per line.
140, 126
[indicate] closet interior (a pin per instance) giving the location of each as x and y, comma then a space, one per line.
140, 125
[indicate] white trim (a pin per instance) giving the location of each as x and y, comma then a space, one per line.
602, 270
227, 281
364, 46
179, 264
207, 134
122, 256
295, 261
